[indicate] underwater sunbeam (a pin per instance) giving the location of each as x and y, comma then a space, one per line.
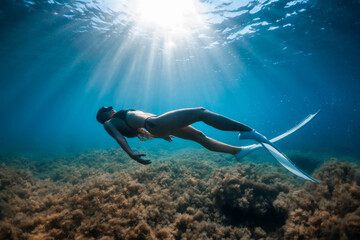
175, 16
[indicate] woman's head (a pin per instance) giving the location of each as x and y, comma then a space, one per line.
104, 114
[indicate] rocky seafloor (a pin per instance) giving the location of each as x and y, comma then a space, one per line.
103, 194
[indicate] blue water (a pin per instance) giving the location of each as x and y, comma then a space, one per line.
265, 63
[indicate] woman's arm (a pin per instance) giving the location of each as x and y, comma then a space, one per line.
123, 143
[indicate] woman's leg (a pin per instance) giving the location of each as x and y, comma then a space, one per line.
190, 133
183, 117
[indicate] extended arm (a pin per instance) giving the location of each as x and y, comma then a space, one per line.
123, 143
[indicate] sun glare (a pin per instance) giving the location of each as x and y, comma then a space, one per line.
173, 15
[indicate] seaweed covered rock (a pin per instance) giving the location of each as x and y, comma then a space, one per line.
248, 200
181, 198
329, 210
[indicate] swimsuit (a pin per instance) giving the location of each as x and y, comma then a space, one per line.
122, 115
133, 132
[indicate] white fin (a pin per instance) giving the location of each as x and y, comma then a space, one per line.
286, 162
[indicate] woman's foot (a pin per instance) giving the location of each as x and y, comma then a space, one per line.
246, 151
253, 135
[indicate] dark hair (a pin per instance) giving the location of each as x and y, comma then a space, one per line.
100, 117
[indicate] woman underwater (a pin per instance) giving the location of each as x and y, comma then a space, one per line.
131, 123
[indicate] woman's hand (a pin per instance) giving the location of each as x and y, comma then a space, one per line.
168, 138
137, 157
